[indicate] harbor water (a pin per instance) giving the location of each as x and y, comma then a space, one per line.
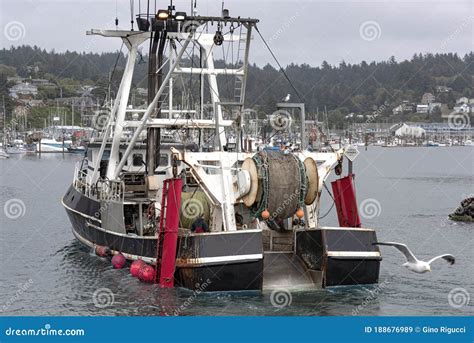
406, 194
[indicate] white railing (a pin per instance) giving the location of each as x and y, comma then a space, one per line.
80, 181
110, 190
102, 190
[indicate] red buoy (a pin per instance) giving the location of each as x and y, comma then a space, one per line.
118, 261
147, 273
135, 267
102, 251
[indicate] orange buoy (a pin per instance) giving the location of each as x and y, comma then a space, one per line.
265, 214
300, 213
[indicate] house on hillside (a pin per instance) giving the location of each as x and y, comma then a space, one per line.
29, 103
427, 98
422, 108
463, 108
23, 90
404, 107
397, 110
462, 100
443, 89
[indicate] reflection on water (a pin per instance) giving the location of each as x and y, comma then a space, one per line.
415, 187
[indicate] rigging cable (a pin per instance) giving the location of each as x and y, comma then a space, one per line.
284, 74
332, 205
279, 65
108, 85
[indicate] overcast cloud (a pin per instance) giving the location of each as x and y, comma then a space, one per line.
298, 31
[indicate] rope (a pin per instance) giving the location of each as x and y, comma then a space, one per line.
113, 70
260, 160
332, 205
279, 65
303, 181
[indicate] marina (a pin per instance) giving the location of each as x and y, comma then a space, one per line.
75, 272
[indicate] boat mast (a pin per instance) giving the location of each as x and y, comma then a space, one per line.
123, 98
155, 76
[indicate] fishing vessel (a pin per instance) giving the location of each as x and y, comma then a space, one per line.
52, 145
17, 146
3, 154
178, 185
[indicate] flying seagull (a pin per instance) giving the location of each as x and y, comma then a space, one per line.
414, 264
287, 98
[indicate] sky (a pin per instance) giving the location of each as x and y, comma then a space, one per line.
297, 31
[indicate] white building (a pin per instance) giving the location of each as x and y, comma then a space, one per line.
464, 108
23, 89
443, 89
410, 131
462, 100
422, 108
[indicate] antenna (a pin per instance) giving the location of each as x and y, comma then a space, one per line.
116, 15
131, 13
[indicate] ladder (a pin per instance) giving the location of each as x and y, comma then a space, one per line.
239, 80
238, 88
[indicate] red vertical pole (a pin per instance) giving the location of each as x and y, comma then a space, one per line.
346, 203
170, 239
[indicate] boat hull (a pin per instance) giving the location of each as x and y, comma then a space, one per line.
222, 261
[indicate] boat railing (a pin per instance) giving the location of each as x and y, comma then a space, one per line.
80, 180
111, 190
102, 190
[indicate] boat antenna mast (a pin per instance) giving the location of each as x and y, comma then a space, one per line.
132, 3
